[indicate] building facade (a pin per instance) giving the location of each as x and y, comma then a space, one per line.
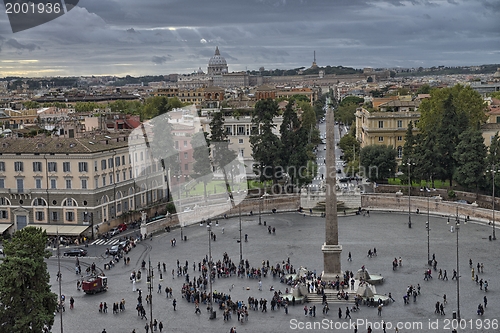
71, 181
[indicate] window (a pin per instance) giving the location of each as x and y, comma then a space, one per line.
39, 202
53, 183
142, 156
84, 184
96, 182
2, 183
103, 164
95, 165
380, 139
66, 167
380, 124
68, 184
111, 178
176, 145
110, 163
130, 174
186, 166
135, 155
400, 124
117, 161
68, 202
20, 185
229, 130
400, 138
39, 216
117, 177
185, 143
124, 175
2, 166
241, 130
55, 216
38, 183
123, 160
400, 151
52, 166
83, 166
18, 166
103, 180
70, 216
37, 166
242, 151
240, 141
4, 214
185, 155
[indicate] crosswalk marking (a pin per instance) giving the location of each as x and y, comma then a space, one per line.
109, 242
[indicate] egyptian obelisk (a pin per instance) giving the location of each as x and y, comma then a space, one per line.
331, 248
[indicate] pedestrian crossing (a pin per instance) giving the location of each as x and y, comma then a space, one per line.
108, 242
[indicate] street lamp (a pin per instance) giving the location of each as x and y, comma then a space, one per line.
241, 244
150, 289
260, 210
409, 191
427, 226
210, 298
457, 228
493, 172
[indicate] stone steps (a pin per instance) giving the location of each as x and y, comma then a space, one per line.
331, 298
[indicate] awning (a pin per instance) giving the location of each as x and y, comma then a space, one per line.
5, 226
63, 230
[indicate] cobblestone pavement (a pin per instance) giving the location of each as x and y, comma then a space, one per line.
299, 238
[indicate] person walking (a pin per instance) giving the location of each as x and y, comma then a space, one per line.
379, 309
485, 301
347, 313
340, 313
160, 326
174, 303
146, 327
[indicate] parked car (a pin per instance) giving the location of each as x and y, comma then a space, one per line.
78, 252
122, 227
123, 244
114, 231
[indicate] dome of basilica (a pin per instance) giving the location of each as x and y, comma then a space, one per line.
217, 59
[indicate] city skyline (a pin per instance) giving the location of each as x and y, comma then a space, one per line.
161, 37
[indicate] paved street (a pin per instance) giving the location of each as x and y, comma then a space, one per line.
299, 238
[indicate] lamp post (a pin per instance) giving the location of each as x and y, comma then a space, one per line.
150, 289
409, 192
210, 298
241, 244
493, 172
457, 228
427, 226
260, 210
60, 305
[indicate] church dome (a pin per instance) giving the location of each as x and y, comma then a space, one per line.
217, 59
497, 74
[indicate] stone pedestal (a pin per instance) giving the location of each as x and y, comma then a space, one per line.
331, 264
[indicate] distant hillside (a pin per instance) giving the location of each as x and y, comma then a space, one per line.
444, 70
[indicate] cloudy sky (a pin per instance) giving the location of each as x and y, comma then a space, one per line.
138, 37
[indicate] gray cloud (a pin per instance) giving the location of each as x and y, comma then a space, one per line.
106, 37
159, 60
16, 45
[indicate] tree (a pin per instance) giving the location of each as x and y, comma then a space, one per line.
265, 144
493, 161
349, 146
378, 161
352, 100
202, 167
425, 164
28, 305
470, 155
293, 148
424, 89
219, 143
449, 112
346, 113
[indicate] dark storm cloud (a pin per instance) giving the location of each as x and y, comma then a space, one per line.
97, 36
159, 60
16, 45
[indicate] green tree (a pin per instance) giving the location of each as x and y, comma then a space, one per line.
378, 161
352, 100
219, 143
424, 163
470, 155
350, 147
424, 89
493, 161
293, 147
86, 107
27, 302
202, 167
31, 105
265, 144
